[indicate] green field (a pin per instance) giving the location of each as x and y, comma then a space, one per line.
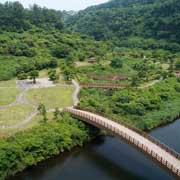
11, 83
8, 95
14, 114
33, 123
51, 97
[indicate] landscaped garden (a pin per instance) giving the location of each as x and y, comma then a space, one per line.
18, 105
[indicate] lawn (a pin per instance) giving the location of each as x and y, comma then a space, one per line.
14, 114
36, 121
51, 97
8, 95
11, 83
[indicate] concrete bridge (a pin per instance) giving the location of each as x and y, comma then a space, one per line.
105, 86
149, 145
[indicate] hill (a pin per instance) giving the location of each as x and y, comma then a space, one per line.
132, 19
37, 37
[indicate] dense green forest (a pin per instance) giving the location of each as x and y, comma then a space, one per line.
132, 23
35, 38
40, 48
14, 17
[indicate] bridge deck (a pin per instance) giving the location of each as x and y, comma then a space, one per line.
158, 153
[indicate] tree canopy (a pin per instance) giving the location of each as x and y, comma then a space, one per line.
121, 19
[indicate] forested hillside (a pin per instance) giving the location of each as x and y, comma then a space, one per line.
133, 19
35, 38
14, 17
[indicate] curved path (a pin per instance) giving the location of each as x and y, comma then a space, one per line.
76, 92
158, 151
21, 100
150, 84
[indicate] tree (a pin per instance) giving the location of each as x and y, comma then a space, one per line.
61, 51
42, 110
33, 75
22, 76
57, 113
68, 73
116, 63
53, 76
134, 81
53, 63
177, 65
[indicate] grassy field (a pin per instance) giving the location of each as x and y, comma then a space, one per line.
14, 114
36, 121
51, 97
8, 95
11, 83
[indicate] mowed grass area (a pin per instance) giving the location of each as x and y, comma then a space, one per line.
51, 97
8, 95
36, 121
14, 114
11, 83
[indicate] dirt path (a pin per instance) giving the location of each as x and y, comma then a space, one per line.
76, 92
150, 84
20, 99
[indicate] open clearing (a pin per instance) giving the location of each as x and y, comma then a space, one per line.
11, 83
8, 95
14, 114
51, 97
36, 121
19, 100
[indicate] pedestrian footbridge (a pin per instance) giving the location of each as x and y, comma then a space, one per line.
151, 146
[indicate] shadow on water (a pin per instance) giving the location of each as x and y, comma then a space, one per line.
106, 158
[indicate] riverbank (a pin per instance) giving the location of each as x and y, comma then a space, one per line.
96, 160
27, 148
49, 139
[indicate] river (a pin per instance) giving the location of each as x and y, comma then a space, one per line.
106, 158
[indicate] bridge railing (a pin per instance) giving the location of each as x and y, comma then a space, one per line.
142, 133
104, 85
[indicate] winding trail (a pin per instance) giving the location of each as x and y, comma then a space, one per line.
150, 84
20, 99
76, 92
